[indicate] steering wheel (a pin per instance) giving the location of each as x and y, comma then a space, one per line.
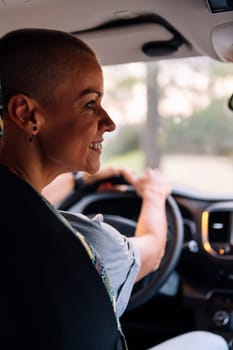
88, 202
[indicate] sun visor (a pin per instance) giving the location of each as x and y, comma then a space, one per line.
135, 40
222, 39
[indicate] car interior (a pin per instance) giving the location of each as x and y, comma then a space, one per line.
193, 287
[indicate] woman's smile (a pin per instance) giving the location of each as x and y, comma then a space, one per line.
97, 146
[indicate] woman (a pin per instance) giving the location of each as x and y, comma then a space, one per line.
52, 293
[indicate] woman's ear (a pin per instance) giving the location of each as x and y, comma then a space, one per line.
21, 111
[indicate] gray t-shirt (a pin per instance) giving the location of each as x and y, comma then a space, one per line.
118, 254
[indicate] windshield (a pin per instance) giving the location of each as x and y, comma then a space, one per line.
173, 114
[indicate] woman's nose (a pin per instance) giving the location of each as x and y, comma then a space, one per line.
107, 122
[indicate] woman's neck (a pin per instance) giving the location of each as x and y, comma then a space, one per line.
27, 164
18, 171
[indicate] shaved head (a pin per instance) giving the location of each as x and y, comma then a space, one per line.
35, 61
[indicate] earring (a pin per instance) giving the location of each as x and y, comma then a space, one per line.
34, 128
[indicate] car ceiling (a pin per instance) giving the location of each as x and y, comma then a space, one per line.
203, 32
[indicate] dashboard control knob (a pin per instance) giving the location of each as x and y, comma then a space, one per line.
193, 246
221, 318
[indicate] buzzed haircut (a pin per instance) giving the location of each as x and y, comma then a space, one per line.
35, 61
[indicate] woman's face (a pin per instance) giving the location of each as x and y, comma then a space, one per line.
72, 129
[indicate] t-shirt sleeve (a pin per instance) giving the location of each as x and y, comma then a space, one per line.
118, 254
122, 263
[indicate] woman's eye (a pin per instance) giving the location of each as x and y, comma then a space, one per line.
91, 104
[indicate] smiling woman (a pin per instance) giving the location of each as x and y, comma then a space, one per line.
46, 132
57, 288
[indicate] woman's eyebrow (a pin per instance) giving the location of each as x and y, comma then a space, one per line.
91, 91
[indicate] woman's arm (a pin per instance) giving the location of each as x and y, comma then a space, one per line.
151, 231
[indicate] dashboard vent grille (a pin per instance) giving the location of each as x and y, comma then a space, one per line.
217, 230
219, 226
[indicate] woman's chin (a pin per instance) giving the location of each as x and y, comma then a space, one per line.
93, 170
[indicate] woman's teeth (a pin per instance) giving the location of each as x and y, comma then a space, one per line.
96, 145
